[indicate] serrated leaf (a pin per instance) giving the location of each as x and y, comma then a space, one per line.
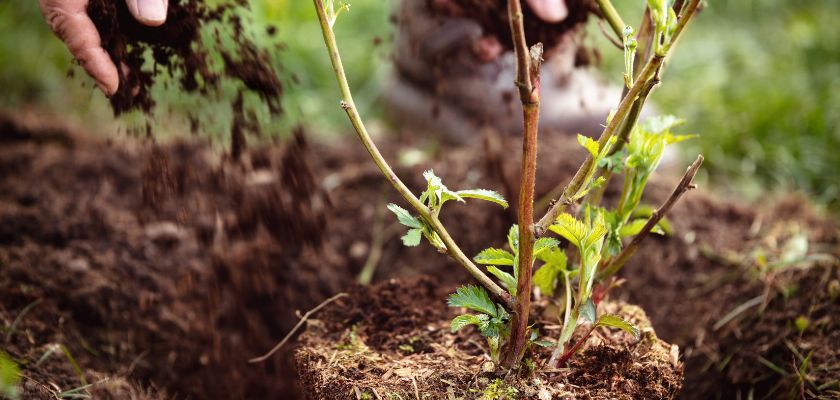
570, 228
489, 328
474, 298
554, 255
513, 238
493, 256
447, 195
590, 145
412, 237
507, 279
461, 321
484, 194
593, 185
614, 321
632, 228
662, 123
432, 179
404, 217
545, 277
544, 243
587, 310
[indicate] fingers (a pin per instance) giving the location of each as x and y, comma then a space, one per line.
70, 22
148, 12
551, 11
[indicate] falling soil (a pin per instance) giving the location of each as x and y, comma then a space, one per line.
343, 355
493, 18
180, 50
166, 269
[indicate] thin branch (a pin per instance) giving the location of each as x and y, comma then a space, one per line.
685, 185
295, 329
568, 355
613, 18
621, 113
349, 107
528, 81
623, 137
578, 180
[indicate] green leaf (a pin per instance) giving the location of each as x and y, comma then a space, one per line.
614, 321
570, 228
513, 238
554, 255
543, 244
461, 321
412, 237
587, 311
447, 195
589, 144
493, 256
507, 279
484, 194
544, 343
613, 163
662, 123
9, 377
405, 217
592, 185
474, 298
545, 277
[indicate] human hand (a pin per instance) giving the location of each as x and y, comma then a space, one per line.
70, 22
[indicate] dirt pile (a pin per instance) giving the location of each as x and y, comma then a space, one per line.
342, 355
171, 276
176, 293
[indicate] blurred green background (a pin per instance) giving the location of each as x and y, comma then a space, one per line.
759, 81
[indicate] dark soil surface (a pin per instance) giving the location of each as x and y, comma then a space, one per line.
392, 339
166, 267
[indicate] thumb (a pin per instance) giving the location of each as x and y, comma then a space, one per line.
551, 11
148, 12
71, 23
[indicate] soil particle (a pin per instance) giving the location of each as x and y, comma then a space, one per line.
172, 293
179, 50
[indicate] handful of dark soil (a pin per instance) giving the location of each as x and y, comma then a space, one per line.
182, 50
493, 18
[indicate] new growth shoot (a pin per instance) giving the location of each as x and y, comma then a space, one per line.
571, 253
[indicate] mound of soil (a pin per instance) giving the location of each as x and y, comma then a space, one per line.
171, 276
166, 267
343, 355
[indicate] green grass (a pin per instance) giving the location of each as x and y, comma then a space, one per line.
759, 81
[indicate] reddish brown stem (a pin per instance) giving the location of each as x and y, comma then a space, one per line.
528, 81
565, 358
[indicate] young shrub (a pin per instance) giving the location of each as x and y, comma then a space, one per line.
500, 310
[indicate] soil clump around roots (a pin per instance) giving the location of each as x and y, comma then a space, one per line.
342, 355
165, 269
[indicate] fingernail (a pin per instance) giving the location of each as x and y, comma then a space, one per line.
551, 11
152, 10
